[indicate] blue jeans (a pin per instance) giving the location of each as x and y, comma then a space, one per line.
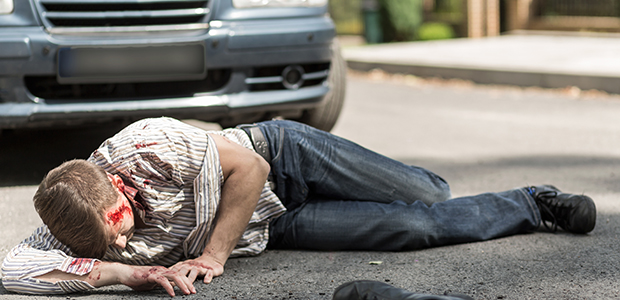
341, 196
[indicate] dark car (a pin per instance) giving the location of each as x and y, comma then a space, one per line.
65, 62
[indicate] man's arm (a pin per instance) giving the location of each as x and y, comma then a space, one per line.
139, 278
46, 270
40, 265
245, 173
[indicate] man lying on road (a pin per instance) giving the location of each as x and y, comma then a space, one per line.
162, 203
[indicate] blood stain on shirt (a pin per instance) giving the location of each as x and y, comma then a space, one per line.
144, 145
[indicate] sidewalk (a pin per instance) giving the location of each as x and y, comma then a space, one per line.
549, 61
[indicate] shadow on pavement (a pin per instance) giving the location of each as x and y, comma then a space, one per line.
26, 155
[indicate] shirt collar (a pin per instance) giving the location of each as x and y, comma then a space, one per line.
137, 202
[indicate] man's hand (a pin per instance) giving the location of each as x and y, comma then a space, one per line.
142, 278
204, 265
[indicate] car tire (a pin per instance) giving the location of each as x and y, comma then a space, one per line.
325, 115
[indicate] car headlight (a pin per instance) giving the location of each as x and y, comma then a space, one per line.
6, 6
278, 3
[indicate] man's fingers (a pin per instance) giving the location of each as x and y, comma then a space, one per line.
190, 271
169, 279
163, 281
184, 270
193, 274
184, 284
208, 276
178, 266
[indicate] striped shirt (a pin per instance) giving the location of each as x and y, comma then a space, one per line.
176, 170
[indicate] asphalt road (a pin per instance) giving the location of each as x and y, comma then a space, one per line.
479, 138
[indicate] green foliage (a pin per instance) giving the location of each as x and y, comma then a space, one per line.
448, 5
448, 11
347, 16
435, 31
401, 19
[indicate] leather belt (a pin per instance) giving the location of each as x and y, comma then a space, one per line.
258, 141
260, 146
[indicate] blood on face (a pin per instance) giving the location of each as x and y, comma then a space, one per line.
116, 216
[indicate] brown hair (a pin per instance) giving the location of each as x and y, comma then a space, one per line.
71, 201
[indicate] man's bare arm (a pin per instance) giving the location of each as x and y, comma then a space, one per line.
245, 173
138, 278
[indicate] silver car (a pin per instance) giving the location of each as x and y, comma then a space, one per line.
65, 62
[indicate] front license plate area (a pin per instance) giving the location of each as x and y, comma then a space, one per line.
131, 63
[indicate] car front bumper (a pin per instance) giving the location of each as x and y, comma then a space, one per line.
234, 45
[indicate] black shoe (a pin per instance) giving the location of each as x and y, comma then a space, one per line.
375, 290
574, 213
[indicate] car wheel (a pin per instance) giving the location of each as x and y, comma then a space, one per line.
325, 115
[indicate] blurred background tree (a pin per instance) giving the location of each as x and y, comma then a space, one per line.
398, 20
443, 19
411, 20
347, 16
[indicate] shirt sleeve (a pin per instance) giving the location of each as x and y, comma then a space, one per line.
40, 254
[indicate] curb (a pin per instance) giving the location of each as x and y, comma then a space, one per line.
490, 76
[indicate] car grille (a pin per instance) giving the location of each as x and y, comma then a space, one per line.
48, 88
123, 15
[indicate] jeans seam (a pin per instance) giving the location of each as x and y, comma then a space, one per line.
280, 145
